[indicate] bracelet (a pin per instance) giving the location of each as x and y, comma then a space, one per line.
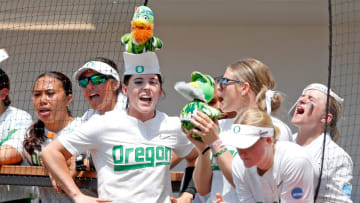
205, 150
220, 152
216, 143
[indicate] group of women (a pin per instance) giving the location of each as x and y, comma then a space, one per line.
253, 157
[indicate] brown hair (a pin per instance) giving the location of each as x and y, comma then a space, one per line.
258, 75
335, 110
259, 118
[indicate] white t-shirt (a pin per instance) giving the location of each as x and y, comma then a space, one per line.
285, 131
13, 125
132, 158
290, 179
48, 194
337, 170
219, 182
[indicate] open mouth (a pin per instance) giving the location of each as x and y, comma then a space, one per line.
146, 99
44, 112
300, 110
94, 97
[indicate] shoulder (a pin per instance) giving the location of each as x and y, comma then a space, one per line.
285, 131
18, 117
339, 153
15, 112
289, 151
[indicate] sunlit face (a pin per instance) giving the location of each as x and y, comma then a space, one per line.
100, 97
143, 92
231, 94
307, 115
49, 99
254, 155
217, 102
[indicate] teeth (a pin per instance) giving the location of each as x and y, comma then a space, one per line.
146, 97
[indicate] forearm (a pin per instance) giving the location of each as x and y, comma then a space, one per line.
9, 155
203, 174
55, 163
224, 160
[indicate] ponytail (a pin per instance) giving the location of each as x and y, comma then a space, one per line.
35, 137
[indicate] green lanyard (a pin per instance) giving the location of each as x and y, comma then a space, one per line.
8, 137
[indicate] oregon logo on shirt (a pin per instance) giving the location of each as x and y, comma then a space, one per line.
131, 158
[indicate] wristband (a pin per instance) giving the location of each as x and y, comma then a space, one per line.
205, 150
220, 152
216, 143
79, 161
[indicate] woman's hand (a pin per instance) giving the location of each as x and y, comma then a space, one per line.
207, 129
219, 199
84, 198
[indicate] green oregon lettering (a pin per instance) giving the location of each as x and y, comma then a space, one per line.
141, 69
215, 167
35, 159
129, 158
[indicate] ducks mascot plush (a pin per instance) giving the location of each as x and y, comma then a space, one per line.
200, 91
141, 38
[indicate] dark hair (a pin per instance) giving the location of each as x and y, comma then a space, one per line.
112, 64
37, 130
5, 83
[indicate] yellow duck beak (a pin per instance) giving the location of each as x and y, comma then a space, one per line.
194, 84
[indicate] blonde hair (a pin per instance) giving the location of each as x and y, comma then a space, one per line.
259, 118
258, 75
335, 110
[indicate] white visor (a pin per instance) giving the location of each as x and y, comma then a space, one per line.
145, 63
99, 67
245, 136
320, 87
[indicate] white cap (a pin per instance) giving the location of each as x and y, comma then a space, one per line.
99, 67
245, 136
145, 63
324, 89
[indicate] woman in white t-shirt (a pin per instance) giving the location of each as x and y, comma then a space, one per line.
265, 170
246, 83
13, 125
100, 83
310, 117
51, 97
131, 149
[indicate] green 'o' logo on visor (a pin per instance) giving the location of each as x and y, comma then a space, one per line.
236, 129
139, 69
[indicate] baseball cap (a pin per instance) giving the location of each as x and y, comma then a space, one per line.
145, 63
99, 67
244, 136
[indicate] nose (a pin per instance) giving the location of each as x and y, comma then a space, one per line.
242, 152
43, 99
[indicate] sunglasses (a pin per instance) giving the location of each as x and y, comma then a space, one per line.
223, 82
95, 80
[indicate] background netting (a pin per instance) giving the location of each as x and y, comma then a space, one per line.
346, 79
57, 35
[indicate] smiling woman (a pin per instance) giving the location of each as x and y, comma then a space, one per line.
131, 149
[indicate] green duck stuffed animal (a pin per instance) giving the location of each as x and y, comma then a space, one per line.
141, 38
200, 91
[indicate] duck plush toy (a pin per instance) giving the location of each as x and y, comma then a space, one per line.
200, 91
141, 38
